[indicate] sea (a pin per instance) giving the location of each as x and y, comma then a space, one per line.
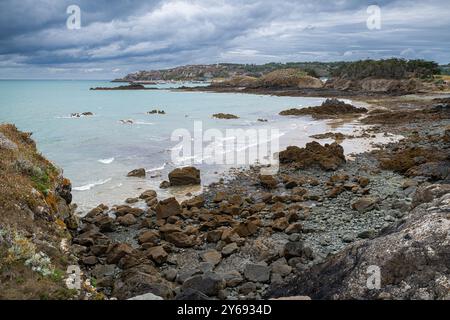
96, 152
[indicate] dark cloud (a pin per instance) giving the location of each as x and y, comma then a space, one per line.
118, 37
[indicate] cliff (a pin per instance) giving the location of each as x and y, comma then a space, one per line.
36, 216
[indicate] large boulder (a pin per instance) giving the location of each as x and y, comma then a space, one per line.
167, 208
184, 176
327, 157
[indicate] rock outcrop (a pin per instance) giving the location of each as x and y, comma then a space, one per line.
413, 258
184, 176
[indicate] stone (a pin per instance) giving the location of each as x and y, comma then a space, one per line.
230, 248
327, 157
148, 237
170, 274
105, 223
233, 278
296, 249
131, 200
168, 207
139, 173
247, 228
191, 295
147, 297
257, 272
219, 197
247, 288
117, 252
281, 267
214, 236
335, 192
363, 181
268, 181
90, 260
209, 284
127, 220
364, 204
157, 254
148, 194
296, 227
212, 256
195, 202
180, 239
280, 224
184, 176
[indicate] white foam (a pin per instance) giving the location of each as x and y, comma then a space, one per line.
157, 168
106, 161
89, 186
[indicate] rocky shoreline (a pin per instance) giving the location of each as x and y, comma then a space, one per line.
309, 231
257, 236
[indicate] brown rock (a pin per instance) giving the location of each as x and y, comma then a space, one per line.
363, 181
327, 157
268, 181
127, 220
148, 237
147, 195
220, 196
364, 204
157, 254
214, 235
184, 176
117, 252
247, 228
139, 173
195, 202
168, 207
280, 224
294, 228
180, 239
212, 256
169, 228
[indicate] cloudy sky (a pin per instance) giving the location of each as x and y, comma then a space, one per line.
118, 37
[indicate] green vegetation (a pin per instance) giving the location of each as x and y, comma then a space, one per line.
387, 69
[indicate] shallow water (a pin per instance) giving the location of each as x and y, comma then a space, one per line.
97, 152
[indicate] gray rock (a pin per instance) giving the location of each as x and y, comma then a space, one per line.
209, 284
257, 272
147, 296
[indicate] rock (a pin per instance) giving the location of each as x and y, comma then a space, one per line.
257, 272
226, 116
281, 267
148, 237
131, 200
214, 235
148, 195
147, 297
294, 228
233, 278
296, 249
139, 280
367, 234
329, 108
229, 249
180, 239
117, 252
184, 176
127, 220
90, 260
212, 256
168, 228
167, 208
157, 254
170, 274
209, 284
363, 181
437, 170
191, 295
364, 204
327, 157
247, 288
412, 256
268, 181
335, 192
280, 224
247, 228
139, 173
196, 202
427, 194
105, 223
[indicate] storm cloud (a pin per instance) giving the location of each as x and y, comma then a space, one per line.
118, 37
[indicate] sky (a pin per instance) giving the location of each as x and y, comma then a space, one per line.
115, 38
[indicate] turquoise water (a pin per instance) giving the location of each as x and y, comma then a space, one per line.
97, 152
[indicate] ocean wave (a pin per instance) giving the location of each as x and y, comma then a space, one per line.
89, 186
145, 123
106, 161
157, 168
